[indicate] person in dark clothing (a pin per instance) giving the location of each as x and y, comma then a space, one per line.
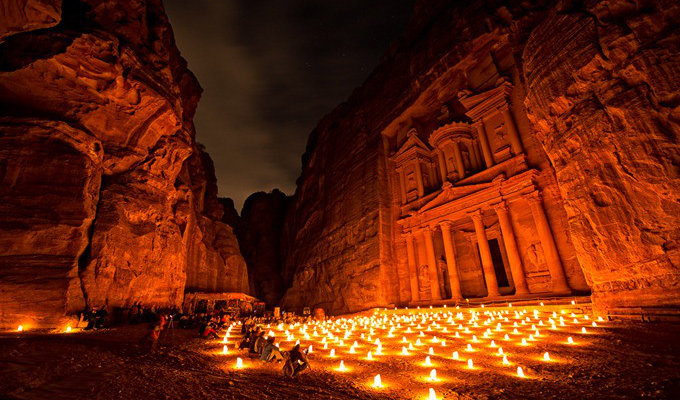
101, 318
297, 361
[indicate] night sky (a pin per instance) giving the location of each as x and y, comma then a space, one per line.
270, 70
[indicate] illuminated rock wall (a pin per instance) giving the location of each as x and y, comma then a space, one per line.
589, 187
100, 203
604, 103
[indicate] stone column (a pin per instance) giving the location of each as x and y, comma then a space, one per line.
442, 165
402, 185
412, 266
458, 158
513, 135
454, 281
432, 264
419, 179
511, 248
485, 253
552, 257
484, 143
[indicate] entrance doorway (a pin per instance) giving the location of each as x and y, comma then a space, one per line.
498, 265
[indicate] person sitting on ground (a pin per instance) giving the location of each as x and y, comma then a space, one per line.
101, 317
271, 352
259, 342
209, 331
298, 360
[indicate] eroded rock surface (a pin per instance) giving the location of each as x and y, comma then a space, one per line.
604, 103
259, 234
103, 202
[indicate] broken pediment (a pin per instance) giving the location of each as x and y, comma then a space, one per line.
485, 103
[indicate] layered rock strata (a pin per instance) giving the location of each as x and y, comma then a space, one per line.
106, 199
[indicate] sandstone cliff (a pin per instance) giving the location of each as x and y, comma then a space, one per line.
603, 95
259, 235
102, 200
596, 98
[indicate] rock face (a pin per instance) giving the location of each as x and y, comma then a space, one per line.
259, 234
605, 108
107, 199
548, 128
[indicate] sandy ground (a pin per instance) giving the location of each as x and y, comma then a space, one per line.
622, 360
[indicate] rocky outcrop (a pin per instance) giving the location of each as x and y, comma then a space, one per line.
603, 96
261, 224
595, 100
214, 260
102, 206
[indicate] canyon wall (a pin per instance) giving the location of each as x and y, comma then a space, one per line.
259, 235
603, 94
107, 199
591, 89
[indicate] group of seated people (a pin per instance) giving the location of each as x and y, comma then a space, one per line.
96, 318
256, 342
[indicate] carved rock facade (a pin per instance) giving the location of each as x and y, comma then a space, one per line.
523, 149
106, 198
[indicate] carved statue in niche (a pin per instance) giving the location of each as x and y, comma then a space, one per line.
465, 154
444, 115
424, 277
444, 276
533, 258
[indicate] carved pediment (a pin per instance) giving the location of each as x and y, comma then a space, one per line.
413, 146
482, 104
450, 193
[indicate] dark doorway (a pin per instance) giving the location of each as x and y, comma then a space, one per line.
498, 265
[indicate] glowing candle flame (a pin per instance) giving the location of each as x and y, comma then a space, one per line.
455, 355
377, 382
520, 373
418, 342
505, 360
469, 347
225, 350
506, 337
20, 328
583, 330
493, 343
570, 340
404, 352
309, 349
351, 350
433, 375
332, 352
432, 395
68, 329
431, 351
369, 356
500, 351
524, 342
427, 361
342, 366
470, 366
443, 342
546, 356
239, 363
